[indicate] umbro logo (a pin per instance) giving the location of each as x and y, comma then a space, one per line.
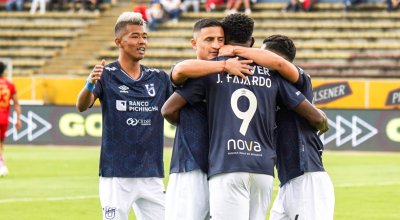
110, 68
298, 93
123, 89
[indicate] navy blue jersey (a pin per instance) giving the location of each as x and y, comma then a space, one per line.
241, 116
298, 146
132, 139
190, 151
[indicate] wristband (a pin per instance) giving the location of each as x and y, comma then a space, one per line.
222, 72
89, 86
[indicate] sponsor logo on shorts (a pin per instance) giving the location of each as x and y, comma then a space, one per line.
134, 121
330, 92
109, 212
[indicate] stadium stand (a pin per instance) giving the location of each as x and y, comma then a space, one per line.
330, 42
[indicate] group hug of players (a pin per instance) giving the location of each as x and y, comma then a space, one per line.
239, 111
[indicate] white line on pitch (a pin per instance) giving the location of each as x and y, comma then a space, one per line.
49, 199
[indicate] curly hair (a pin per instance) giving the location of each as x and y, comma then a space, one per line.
282, 45
238, 28
206, 23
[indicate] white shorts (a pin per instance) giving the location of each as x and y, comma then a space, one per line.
240, 195
307, 197
145, 195
187, 196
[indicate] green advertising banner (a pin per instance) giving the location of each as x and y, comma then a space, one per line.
364, 130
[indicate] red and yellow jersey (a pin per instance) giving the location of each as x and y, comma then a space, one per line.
7, 89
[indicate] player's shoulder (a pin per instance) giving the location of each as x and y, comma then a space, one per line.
150, 71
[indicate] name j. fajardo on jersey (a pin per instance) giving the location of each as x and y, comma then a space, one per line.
135, 106
251, 80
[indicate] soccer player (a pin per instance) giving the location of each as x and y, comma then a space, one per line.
306, 191
7, 91
241, 116
187, 191
131, 96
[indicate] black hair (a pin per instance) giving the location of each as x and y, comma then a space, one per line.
205, 23
238, 28
2, 68
281, 44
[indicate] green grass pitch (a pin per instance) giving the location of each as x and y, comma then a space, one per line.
62, 183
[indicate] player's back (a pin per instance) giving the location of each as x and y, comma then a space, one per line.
298, 146
241, 118
190, 150
7, 88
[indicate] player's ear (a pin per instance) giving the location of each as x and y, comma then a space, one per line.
117, 41
252, 41
193, 42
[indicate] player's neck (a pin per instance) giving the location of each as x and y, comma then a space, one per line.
130, 66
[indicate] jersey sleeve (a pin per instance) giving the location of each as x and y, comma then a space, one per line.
304, 85
98, 90
169, 87
174, 85
12, 88
193, 91
291, 96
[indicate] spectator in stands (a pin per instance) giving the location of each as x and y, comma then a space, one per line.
292, 6
85, 5
391, 4
194, 3
211, 4
308, 4
141, 8
173, 7
348, 3
60, 4
18, 3
35, 4
155, 13
237, 5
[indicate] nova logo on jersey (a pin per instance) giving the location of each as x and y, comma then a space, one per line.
109, 212
121, 105
150, 89
134, 121
123, 89
241, 146
110, 68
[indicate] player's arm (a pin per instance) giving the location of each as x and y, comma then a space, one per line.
86, 96
17, 109
197, 68
264, 58
170, 109
314, 116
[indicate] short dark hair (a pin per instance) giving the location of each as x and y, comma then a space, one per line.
2, 68
282, 45
205, 23
238, 28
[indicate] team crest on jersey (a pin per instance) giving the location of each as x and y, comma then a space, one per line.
150, 89
109, 212
123, 89
110, 68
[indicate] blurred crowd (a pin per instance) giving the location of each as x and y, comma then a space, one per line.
17, 5
160, 11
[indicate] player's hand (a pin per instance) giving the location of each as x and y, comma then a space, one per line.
95, 75
227, 51
18, 124
324, 127
238, 67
